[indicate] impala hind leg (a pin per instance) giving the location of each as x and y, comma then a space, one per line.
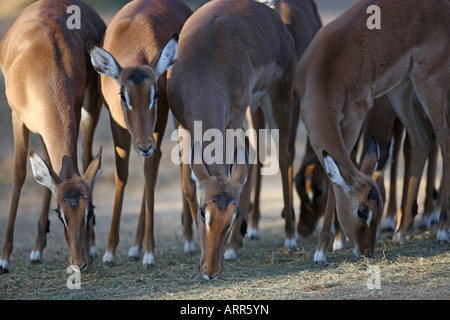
388, 222
44, 223
435, 97
431, 205
320, 255
21, 136
122, 143
420, 134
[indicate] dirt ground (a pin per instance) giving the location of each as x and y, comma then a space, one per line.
418, 270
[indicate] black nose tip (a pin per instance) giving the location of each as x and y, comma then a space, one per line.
145, 150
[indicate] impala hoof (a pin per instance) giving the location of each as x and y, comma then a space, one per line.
253, 234
108, 259
230, 254
148, 261
189, 247
134, 253
35, 257
319, 257
442, 236
290, 244
399, 238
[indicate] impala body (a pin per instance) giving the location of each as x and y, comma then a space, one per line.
346, 66
47, 72
140, 44
230, 52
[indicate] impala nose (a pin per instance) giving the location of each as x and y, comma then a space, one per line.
145, 150
210, 276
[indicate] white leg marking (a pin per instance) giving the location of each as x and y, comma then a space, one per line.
442, 236
339, 244
290, 244
93, 251
108, 257
253, 233
320, 257
148, 260
189, 247
35, 256
134, 252
4, 264
230, 254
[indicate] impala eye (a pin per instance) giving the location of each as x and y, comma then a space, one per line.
155, 97
363, 212
122, 97
202, 213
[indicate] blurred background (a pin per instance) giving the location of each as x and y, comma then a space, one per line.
328, 8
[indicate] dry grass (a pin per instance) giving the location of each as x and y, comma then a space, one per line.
418, 270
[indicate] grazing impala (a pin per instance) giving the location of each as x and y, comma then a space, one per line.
311, 180
230, 52
47, 71
303, 22
140, 45
348, 65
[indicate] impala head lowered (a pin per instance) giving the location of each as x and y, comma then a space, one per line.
138, 90
75, 209
358, 195
219, 207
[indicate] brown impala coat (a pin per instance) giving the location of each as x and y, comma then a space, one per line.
139, 46
348, 65
47, 71
228, 51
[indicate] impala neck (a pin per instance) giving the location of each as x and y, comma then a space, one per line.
61, 142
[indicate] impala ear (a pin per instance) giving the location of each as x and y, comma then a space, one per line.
239, 168
94, 169
371, 156
167, 56
337, 174
103, 62
198, 168
42, 173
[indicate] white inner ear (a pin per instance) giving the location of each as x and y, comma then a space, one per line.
334, 174
41, 172
86, 216
104, 63
168, 57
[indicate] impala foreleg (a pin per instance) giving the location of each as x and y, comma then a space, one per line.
151, 165
122, 143
44, 222
135, 250
320, 256
21, 135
